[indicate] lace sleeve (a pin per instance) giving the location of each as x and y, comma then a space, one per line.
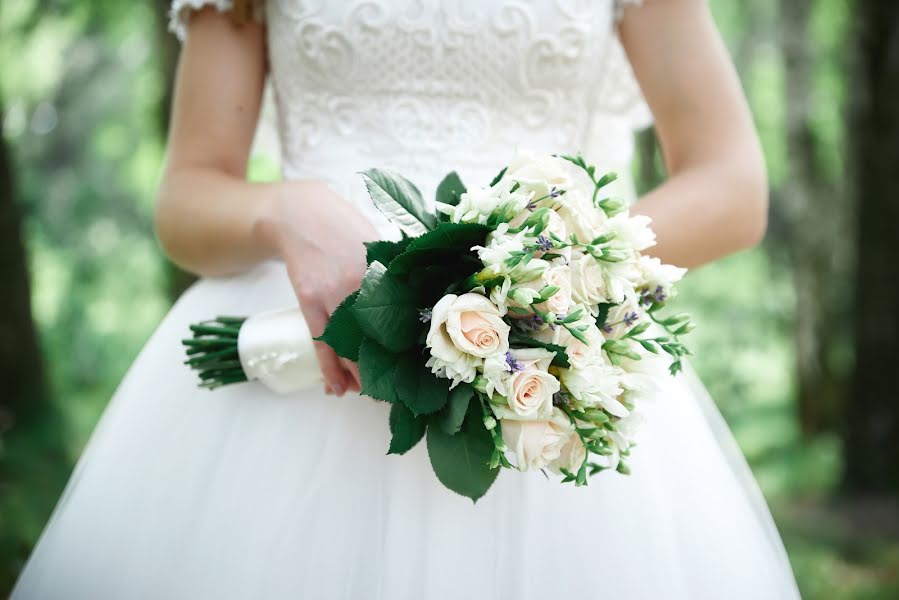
179, 14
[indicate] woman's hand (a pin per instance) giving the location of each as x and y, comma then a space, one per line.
319, 235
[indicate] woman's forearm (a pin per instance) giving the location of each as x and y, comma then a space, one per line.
207, 220
706, 212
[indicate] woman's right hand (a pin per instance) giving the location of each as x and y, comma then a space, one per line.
320, 237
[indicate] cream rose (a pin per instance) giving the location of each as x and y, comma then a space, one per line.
529, 386
536, 443
571, 455
469, 324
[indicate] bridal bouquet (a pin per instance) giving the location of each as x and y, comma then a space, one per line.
506, 328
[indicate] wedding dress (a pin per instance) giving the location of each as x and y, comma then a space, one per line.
241, 493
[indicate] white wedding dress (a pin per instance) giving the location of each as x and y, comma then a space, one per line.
240, 493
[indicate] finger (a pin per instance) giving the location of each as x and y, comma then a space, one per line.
352, 369
331, 369
332, 372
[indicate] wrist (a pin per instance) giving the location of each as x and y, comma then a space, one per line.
266, 223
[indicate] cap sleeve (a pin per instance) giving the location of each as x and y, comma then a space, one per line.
180, 11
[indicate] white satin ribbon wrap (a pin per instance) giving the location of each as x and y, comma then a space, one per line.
276, 348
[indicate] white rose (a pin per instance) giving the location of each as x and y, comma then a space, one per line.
539, 173
559, 303
536, 443
599, 385
580, 216
588, 283
469, 324
580, 355
594, 282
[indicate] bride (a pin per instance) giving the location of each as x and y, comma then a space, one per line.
183, 493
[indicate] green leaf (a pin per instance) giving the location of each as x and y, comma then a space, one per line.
602, 314
385, 309
431, 282
499, 176
399, 200
418, 388
576, 333
561, 357
342, 332
461, 461
649, 346
377, 370
384, 251
445, 242
450, 189
450, 418
606, 179
407, 429
638, 329
621, 348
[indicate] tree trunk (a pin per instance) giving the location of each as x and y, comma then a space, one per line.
21, 368
814, 215
872, 404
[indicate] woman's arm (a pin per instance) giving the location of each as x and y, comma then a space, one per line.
211, 221
206, 210
716, 197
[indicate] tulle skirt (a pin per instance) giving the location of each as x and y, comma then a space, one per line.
240, 493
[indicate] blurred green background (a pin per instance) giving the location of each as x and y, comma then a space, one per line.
782, 342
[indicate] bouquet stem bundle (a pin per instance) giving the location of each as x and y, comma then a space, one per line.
213, 353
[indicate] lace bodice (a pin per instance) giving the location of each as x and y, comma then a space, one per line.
427, 86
